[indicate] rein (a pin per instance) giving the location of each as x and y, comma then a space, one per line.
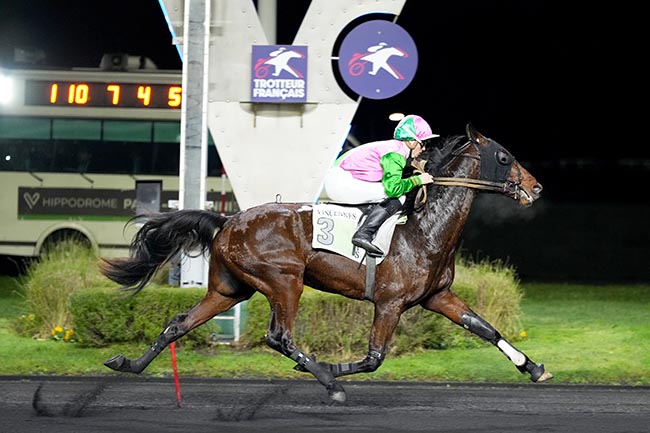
485, 185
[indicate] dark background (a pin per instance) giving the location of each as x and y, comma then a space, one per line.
557, 83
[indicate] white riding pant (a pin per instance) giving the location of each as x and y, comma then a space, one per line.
341, 187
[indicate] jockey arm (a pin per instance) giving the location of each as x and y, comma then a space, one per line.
393, 164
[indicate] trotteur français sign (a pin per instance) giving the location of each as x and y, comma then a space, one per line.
279, 73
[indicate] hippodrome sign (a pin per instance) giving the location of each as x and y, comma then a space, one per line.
279, 73
378, 59
46, 203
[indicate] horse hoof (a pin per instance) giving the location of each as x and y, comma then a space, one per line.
118, 363
337, 393
544, 377
338, 396
539, 374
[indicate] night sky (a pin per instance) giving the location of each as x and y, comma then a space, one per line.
555, 82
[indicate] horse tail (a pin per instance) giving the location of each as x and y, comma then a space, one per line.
162, 237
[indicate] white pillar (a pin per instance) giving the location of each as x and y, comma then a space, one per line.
194, 139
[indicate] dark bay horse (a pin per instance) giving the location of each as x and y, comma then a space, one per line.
268, 249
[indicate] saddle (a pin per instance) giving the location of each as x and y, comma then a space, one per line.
335, 224
333, 228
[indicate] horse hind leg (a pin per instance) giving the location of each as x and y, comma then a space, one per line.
335, 391
284, 307
212, 304
450, 306
280, 340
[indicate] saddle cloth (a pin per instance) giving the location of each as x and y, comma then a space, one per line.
334, 226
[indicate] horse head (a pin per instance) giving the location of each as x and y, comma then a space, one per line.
500, 168
477, 162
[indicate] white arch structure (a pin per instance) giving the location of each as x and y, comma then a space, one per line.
276, 150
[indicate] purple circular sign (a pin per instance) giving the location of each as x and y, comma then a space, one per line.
378, 59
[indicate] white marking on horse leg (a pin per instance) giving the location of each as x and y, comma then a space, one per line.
515, 356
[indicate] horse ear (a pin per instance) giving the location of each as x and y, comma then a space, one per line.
474, 135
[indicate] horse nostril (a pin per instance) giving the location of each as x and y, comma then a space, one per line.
537, 188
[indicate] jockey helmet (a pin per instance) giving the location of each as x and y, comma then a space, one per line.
413, 127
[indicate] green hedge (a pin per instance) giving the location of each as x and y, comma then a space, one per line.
326, 324
333, 325
105, 316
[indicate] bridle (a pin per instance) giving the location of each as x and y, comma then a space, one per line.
501, 185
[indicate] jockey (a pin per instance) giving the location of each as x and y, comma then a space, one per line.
372, 173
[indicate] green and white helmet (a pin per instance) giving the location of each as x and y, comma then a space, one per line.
413, 127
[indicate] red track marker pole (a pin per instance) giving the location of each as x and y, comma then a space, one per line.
172, 349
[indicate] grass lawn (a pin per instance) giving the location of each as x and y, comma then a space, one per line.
584, 334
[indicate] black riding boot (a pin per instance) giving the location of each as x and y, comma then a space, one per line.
377, 215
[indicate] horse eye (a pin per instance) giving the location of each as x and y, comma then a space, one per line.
503, 157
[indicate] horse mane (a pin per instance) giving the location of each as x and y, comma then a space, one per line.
436, 157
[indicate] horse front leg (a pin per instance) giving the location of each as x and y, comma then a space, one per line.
212, 304
450, 306
370, 363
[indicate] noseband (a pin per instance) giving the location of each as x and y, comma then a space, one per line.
500, 184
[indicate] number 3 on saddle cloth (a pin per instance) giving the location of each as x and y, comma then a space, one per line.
335, 225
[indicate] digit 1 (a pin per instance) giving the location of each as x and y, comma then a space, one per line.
54, 93
71, 93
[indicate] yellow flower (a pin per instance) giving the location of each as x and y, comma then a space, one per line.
60, 333
523, 334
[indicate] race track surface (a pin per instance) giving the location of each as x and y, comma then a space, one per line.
137, 405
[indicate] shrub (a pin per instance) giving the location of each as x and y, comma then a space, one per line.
27, 325
67, 295
105, 316
489, 288
326, 323
64, 269
342, 326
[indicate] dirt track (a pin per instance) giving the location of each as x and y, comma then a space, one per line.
135, 405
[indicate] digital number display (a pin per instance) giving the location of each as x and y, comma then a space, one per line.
93, 94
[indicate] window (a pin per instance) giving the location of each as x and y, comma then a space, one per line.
79, 129
167, 132
94, 146
24, 127
127, 131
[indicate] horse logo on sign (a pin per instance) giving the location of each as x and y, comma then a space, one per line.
279, 59
378, 59
279, 73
